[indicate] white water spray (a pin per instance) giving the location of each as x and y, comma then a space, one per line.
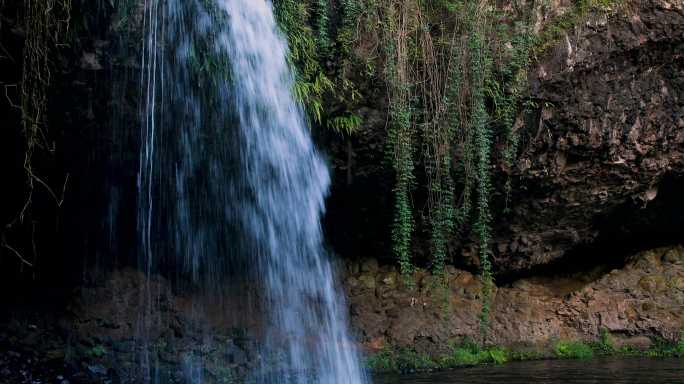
229, 171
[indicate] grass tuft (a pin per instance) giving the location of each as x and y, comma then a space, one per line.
572, 350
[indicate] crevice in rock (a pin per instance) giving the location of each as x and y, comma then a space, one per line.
651, 220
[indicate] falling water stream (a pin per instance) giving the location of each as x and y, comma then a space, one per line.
230, 182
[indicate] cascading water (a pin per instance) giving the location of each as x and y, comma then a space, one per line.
230, 183
288, 182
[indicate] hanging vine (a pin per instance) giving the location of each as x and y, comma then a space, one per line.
313, 42
322, 25
400, 136
506, 93
480, 70
456, 77
46, 23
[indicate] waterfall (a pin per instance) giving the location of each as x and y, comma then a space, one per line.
230, 183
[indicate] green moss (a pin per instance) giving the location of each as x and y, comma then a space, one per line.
679, 349
468, 353
466, 357
97, 351
606, 345
409, 360
459, 357
557, 28
628, 351
565, 349
382, 361
498, 355
662, 348
525, 355
401, 360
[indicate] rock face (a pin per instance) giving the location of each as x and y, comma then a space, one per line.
102, 335
641, 301
598, 153
177, 330
609, 130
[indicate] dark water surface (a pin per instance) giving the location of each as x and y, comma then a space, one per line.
618, 371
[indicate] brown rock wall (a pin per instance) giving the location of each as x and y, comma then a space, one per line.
610, 128
644, 299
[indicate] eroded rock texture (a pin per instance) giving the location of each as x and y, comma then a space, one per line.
640, 302
609, 130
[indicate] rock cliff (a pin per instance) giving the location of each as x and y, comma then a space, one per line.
607, 135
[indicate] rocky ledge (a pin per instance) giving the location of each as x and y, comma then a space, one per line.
638, 304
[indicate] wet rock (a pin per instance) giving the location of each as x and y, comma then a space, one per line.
235, 355
653, 283
31, 339
97, 370
353, 267
648, 305
389, 279
678, 283
91, 61
370, 266
639, 343
674, 256
609, 134
367, 281
55, 354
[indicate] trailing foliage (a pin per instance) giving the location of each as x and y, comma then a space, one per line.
322, 25
346, 35
46, 23
442, 78
507, 90
456, 78
400, 137
480, 67
307, 26
311, 83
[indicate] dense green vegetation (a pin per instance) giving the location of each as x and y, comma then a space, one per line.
469, 353
329, 94
572, 350
455, 76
